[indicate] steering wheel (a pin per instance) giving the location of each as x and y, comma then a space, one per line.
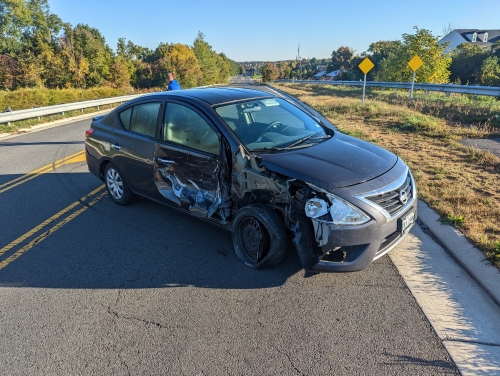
274, 124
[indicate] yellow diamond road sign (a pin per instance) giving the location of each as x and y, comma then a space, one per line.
415, 63
366, 65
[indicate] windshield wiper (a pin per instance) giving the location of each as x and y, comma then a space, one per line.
305, 139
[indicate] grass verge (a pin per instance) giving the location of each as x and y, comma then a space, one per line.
460, 183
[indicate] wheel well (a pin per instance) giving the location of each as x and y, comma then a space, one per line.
102, 168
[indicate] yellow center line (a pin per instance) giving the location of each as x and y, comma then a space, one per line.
48, 221
43, 236
77, 157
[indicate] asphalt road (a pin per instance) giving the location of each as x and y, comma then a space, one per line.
96, 288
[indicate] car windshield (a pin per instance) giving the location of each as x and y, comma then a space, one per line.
271, 124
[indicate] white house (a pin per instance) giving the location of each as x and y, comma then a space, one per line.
480, 37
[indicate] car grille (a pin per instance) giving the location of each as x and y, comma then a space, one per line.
394, 200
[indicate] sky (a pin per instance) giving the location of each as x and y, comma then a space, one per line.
272, 30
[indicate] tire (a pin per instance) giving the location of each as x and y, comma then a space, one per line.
259, 237
117, 185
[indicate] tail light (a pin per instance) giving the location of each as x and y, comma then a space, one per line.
89, 131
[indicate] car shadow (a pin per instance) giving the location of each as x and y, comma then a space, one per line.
107, 246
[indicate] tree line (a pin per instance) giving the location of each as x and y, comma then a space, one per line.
39, 50
468, 64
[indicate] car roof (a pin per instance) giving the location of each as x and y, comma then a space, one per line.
216, 95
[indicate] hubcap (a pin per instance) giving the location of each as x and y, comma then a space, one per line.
115, 183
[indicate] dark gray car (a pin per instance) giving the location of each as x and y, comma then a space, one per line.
262, 165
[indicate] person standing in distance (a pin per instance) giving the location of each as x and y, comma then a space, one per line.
172, 82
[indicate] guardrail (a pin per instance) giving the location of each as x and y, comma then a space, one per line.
7, 117
446, 88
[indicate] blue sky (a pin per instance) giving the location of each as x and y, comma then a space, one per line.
272, 30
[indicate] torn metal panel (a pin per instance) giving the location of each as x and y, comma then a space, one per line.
190, 180
249, 179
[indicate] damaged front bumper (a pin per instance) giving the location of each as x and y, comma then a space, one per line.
350, 249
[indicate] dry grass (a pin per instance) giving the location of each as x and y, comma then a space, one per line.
461, 183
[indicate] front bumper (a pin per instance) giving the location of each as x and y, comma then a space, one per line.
360, 246
352, 248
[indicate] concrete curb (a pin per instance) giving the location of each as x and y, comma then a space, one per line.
55, 123
469, 257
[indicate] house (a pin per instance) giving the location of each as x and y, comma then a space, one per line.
335, 75
481, 37
319, 75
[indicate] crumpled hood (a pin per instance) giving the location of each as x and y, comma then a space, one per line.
339, 162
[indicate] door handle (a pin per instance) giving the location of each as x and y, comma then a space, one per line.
164, 160
116, 147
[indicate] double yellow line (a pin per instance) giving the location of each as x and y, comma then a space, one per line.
65, 216
74, 158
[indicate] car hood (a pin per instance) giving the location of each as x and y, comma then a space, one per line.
341, 161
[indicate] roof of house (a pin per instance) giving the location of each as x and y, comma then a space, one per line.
320, 74
493, 35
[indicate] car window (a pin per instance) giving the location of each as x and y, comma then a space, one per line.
125, 118
141, 118
271, 123
184, 126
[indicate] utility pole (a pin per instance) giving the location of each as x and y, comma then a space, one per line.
299, 58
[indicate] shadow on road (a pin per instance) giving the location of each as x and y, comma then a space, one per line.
142, 245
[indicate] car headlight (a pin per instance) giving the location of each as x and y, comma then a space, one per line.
316, 207
344, 213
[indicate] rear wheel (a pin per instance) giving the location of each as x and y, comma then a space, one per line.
116, 185
259, 236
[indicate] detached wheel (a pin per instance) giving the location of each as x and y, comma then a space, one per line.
259, 236
116, 185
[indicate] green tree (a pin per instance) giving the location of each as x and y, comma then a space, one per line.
466, 63
490, 71
207, 59
436, 65
24, 24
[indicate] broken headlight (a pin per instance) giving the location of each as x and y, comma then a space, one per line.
316, 207
344, 213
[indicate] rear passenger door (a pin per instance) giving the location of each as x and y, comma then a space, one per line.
187, 161
134, 146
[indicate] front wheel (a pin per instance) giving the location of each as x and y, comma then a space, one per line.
116, 185
259, 236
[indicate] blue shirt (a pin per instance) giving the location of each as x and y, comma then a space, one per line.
174, 85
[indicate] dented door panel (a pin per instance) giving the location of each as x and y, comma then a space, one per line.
188, 178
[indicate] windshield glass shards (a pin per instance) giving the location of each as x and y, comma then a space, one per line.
272, 124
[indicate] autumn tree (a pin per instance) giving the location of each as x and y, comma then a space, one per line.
8, 72
341, 59
436, 64
269, 72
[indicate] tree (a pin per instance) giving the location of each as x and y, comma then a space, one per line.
24, 23
490, 71
435, 68
466, 63
8, 72
207, 59
269, 72
341, 59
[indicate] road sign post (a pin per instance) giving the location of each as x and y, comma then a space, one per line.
414, 64
366, 65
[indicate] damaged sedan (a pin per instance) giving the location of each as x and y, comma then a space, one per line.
262, 165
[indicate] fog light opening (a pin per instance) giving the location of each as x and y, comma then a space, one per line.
335, 255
